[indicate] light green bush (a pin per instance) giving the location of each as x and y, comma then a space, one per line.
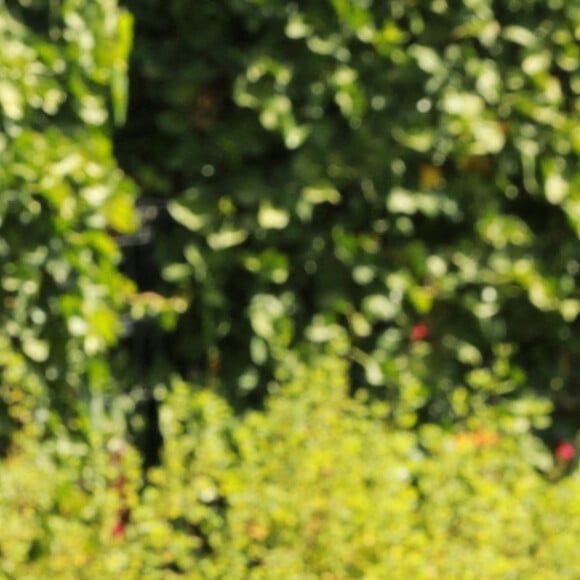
62, 69
315, 486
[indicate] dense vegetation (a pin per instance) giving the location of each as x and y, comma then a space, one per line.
62, 191
289, 289
346, 170
317, 486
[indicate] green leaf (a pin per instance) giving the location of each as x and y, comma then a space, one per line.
184, 216
119, 79
270, 217
226, 238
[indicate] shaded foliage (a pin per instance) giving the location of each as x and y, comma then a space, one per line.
351, 169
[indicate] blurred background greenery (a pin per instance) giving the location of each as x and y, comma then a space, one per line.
289, 289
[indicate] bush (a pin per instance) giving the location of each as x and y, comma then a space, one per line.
61, 293
359, 169
318, 486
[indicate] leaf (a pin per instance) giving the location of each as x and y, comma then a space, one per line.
119, 79
184, 216
270, 217
176, 272
226, 239
379, 307
519, 35
37, 350
321, 193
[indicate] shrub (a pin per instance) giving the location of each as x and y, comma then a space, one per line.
318, 485
61, 294
358, 169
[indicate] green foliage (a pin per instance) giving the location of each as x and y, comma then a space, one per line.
318, 485
60, 503
392, 184
350, 169
62, 195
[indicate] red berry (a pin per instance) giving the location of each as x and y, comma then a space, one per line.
118, 530
419, 332
565, 451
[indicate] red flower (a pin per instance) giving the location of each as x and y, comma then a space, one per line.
565, 451
419, 332
118, 530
